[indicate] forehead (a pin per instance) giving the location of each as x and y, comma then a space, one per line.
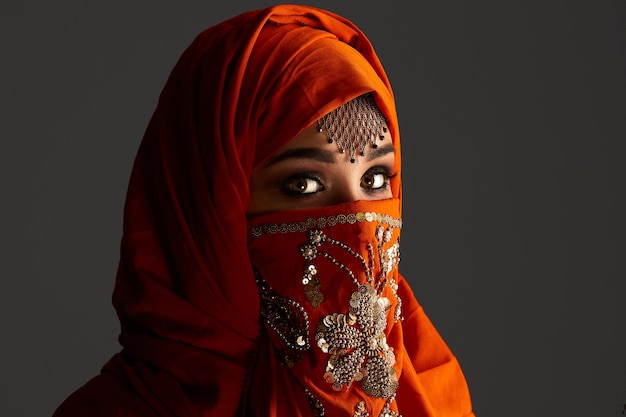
310, 137
313, 144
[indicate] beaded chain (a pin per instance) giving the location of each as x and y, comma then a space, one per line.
354, 125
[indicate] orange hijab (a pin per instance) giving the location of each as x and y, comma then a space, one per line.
185, 292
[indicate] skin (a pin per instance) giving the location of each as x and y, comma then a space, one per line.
310, 172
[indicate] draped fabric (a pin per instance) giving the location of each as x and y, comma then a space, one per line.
353, 249
193, 339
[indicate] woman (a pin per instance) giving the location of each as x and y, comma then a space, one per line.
259, 264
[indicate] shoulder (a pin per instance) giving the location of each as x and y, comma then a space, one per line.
104, 396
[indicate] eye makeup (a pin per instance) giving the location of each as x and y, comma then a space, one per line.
371, 181
302, 184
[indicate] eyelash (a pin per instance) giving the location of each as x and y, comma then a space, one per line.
300, 176
376, 171
312, 176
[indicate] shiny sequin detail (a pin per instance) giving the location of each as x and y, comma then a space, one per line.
389, 260
323, 222
312, 286
355, 340
361, 411
317, 407
387, 411
357, 345
313, 249
354, 125
287, 319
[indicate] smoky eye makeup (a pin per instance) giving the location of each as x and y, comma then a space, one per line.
302, 184
376, 179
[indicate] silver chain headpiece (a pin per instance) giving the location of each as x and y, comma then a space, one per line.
354, 125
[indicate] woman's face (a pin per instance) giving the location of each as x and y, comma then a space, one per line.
310, 172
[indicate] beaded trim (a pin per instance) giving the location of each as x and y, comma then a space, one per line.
387, 412
313, 249
389, 260
361, 411
354, 125
287, 319
311, 223
317, 407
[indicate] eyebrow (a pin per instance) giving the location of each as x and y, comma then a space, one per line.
325, 156
316, 154
379, 152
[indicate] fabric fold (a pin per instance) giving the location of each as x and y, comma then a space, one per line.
194, 339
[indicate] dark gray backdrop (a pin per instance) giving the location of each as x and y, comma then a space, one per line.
512, 120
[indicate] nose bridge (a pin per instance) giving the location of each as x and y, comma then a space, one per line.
346, 189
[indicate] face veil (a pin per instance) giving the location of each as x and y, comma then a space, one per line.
191, 289
328, 282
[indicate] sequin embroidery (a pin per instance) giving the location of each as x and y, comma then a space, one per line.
353, 338
323, 222
361, 411
317, 408
311, 250
357, 345
389, 260
287, 319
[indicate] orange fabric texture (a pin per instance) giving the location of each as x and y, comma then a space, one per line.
430, 382
194, 341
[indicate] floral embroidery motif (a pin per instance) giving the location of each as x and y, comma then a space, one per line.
310, 251
356, 340
357, 345
287, 319
353, 339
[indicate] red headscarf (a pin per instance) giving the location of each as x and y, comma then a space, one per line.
185, 292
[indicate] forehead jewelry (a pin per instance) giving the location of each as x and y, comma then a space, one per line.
354, 125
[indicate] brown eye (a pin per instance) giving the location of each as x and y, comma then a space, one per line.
373, 180
303, 186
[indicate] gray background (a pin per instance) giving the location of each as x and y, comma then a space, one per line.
512, 118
